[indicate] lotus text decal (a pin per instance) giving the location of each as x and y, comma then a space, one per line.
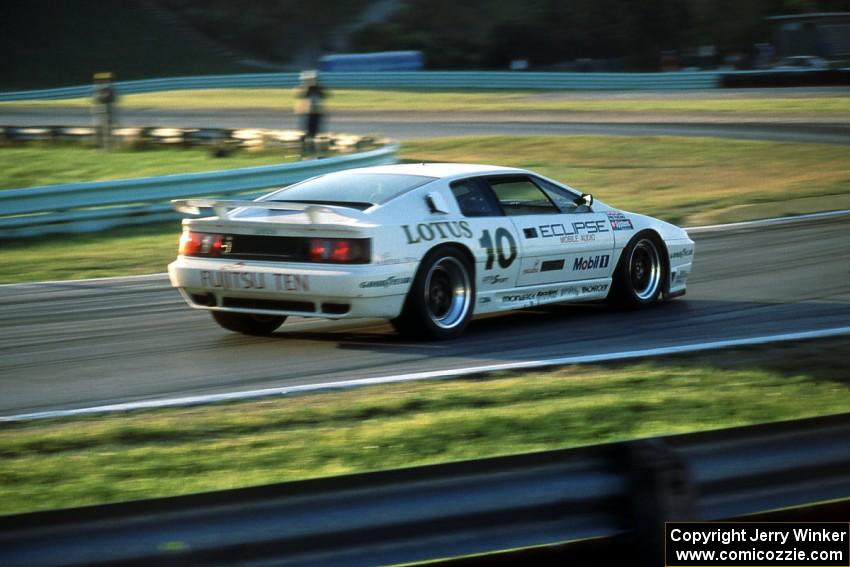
428, 231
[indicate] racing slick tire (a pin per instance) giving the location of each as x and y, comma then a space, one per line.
440, 302
247, 323
640, 275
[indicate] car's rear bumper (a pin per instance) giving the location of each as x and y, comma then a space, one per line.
332, 291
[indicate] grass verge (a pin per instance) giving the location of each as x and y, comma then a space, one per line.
689, 181
342, 100
36, 165
72, 462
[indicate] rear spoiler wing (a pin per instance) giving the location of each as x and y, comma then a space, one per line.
223, 208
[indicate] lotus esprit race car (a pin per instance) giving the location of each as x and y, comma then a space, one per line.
425, 246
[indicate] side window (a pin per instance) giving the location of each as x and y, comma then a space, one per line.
563, 198
475, 199
519, 196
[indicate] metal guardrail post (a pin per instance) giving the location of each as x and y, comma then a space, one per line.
662, 490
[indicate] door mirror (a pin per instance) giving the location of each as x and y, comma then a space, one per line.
586, 200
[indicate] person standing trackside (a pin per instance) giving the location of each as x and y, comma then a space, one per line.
308, 105
103, 109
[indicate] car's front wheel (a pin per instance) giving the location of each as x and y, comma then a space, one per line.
441, 299
639, 278
247, 323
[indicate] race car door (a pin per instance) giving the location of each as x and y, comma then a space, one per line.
560, 240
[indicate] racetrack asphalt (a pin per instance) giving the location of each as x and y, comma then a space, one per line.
77, 344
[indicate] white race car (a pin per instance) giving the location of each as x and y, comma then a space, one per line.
425, 246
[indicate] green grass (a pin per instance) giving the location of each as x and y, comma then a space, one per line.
72, 462
465, 101
685, 180
118, 252
28, 166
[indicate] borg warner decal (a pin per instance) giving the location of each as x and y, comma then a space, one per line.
591, 263
388, 282
683, 253
442, 230
229, 279
596, 288
579, 231
619, 221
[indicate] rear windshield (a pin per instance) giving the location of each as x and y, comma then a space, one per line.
360, 190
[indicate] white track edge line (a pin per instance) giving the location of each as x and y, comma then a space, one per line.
431, 375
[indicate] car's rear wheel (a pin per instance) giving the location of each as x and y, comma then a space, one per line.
248, 323
639, 278
440, 302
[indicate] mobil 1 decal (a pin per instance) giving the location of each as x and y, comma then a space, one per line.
500, 246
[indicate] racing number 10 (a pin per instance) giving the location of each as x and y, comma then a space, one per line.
505, 248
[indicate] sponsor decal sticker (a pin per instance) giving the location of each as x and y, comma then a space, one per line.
598, 288
575, 230
530, 297
227, 279
428, 231
529, 232
619, 221
494, 279
390, 281
591, 263
552, 265
387, 260
569, 291
683, 253
532, 269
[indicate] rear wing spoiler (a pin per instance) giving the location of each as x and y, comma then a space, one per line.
314, 212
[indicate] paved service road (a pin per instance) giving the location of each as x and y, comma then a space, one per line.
407, 125
79, 344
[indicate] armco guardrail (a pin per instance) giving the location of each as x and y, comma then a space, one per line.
81, 207
403, 80
460, 508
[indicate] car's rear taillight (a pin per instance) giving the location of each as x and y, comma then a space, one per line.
339, 250
276, 248
199, 244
